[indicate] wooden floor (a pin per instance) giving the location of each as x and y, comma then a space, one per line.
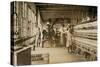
58, 55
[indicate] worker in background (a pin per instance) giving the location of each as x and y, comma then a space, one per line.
62, 35
69, 39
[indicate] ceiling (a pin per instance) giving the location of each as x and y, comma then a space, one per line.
54, 12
